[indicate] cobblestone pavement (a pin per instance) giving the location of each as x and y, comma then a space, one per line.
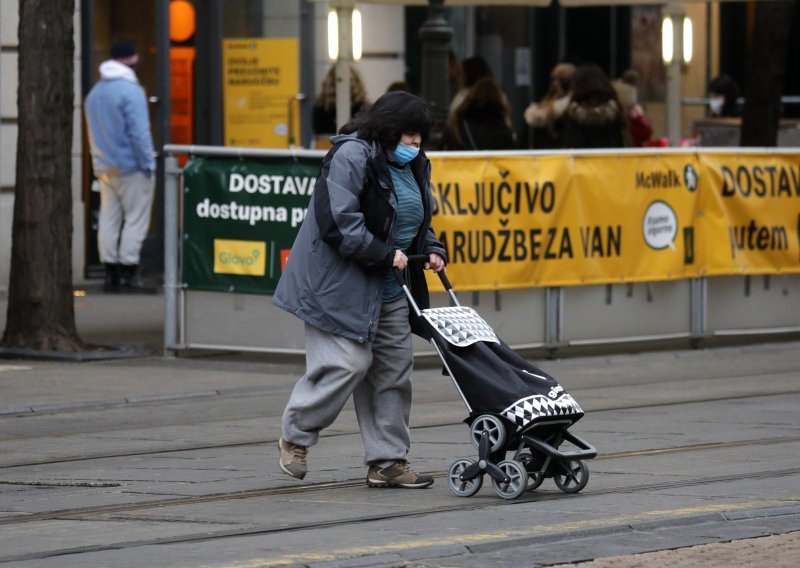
776, 551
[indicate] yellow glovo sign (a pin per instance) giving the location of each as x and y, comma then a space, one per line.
240, 257
522, 221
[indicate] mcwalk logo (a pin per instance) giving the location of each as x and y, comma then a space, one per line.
246, 258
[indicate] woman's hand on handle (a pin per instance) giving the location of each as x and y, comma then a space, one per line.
400, 260
435, 262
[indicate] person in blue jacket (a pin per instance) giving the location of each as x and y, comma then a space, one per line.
371, 207
122, 158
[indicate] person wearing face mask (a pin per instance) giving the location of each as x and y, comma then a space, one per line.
122, 158
723, 94
371, 208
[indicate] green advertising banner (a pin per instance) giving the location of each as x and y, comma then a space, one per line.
240, 218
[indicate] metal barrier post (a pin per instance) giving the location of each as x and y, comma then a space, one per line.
553, 312
171, 228
699, 310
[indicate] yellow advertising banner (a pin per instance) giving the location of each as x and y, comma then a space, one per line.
519, 221
752, 224
261, 79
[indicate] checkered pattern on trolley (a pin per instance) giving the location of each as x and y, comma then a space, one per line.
460, 325
526, 409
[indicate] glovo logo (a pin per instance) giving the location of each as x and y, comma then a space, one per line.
240, 257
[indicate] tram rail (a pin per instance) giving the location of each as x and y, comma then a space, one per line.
461, 505
198, 447
307, 488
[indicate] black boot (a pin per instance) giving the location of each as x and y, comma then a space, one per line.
111, 283
130, 283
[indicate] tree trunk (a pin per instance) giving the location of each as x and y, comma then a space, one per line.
766, 70
40, 302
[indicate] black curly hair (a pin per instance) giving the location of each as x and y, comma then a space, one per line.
393, 114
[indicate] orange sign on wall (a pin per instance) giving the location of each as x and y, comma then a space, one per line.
181, 60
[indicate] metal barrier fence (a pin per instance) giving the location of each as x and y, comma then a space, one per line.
547, 318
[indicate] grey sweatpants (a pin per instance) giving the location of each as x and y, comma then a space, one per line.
378, 375
125, 205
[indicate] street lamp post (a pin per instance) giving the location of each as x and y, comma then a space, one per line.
344, 47
435, 35
676, 50
340, 25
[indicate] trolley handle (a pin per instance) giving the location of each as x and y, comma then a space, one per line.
442, 276
424, 258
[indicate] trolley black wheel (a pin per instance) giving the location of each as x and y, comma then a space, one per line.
570, 476
516, 480
459, 487
535, 477
534, 480
491, 424
532, 466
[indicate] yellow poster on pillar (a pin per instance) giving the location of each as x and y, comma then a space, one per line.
522, 221
260, 80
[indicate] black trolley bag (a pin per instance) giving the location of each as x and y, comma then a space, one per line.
513, 406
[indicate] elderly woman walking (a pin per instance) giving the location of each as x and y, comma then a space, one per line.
371, 208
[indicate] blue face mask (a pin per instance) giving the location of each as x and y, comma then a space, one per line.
403, 153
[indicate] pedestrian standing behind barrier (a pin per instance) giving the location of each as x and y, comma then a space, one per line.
482, 121
641, 129
723, 94
122, 159
455, 75
323, 117
472, 69
594, 118
371, 207
546, 117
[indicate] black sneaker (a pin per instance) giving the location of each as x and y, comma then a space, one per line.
293, 458
131, 283
399, 474
111, 281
